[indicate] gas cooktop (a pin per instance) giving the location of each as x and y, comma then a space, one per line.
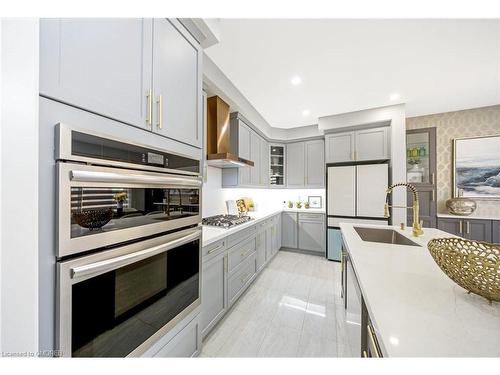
225, 221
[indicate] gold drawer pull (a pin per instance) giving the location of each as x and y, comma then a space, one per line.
245, 253
365, 354
159, 104
215, 248
372, 339
245, 278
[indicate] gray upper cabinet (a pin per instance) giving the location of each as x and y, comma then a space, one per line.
142, 72
255, 157
315, 164
339, 147
359, 145
244, 152
264, 163
295, 164
289, 230
371, 144
98, 64
177, 83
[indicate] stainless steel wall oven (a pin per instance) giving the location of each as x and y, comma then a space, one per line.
128, 243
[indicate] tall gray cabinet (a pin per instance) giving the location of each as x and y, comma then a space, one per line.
142, 72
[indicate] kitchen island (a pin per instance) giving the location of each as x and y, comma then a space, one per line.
414, 308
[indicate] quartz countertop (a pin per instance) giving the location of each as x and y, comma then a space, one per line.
213, 234
470, 217
416, 310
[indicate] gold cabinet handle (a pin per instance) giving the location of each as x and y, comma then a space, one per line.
372, 339
245, 278
243, 254
215, 249
433, 198
149, 109
467, 226
432, 178
461, 226
159, 106
365, 354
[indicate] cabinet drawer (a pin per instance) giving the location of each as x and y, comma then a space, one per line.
213, 249
185, 344
319, 218
241, 235
240, 279
240, 252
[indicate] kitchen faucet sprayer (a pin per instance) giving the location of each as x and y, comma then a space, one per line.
417, 225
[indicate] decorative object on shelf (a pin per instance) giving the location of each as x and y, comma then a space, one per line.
242, 207
94, 218
416, 173
473, 265
298, 204
120, 198
290, 204
476, 167
461, 205
306, 204
314, 201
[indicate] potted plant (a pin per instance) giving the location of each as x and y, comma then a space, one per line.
298, 204
290, 204
306, 204
120, 198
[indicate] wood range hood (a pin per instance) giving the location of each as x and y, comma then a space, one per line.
222, 137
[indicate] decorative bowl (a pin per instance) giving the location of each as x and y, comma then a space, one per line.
473, 265
461, 206
93, 218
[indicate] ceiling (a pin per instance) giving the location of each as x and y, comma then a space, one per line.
348, 65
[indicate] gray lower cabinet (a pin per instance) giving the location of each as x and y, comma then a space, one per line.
261, 251
229, 266
103, 65
213, 284
177, 82
312, 232
289, 230
240, 279
473, 229
496, 231
187, 343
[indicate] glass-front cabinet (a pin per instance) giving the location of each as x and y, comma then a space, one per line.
277, 165
421, 172
421, 156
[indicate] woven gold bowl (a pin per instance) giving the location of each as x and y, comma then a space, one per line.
473, 265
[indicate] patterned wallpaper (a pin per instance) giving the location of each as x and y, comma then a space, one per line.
449, 125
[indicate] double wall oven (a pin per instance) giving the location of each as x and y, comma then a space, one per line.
128, 243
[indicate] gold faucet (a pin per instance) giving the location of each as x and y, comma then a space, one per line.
417, 226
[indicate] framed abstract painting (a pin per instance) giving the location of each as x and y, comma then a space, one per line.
476, 167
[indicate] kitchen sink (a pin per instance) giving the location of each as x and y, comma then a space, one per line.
383, 236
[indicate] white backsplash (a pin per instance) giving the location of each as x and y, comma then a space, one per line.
214, 196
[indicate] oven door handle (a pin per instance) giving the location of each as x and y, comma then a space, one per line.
114, 263
134, 178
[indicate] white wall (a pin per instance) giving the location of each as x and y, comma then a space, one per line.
396, 116
214, 196
19, 191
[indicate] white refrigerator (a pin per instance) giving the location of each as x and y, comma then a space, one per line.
355, 193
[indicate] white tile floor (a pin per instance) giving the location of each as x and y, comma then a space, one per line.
293, 309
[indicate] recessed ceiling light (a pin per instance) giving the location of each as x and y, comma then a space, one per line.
296, 80
306, 112
394, 96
